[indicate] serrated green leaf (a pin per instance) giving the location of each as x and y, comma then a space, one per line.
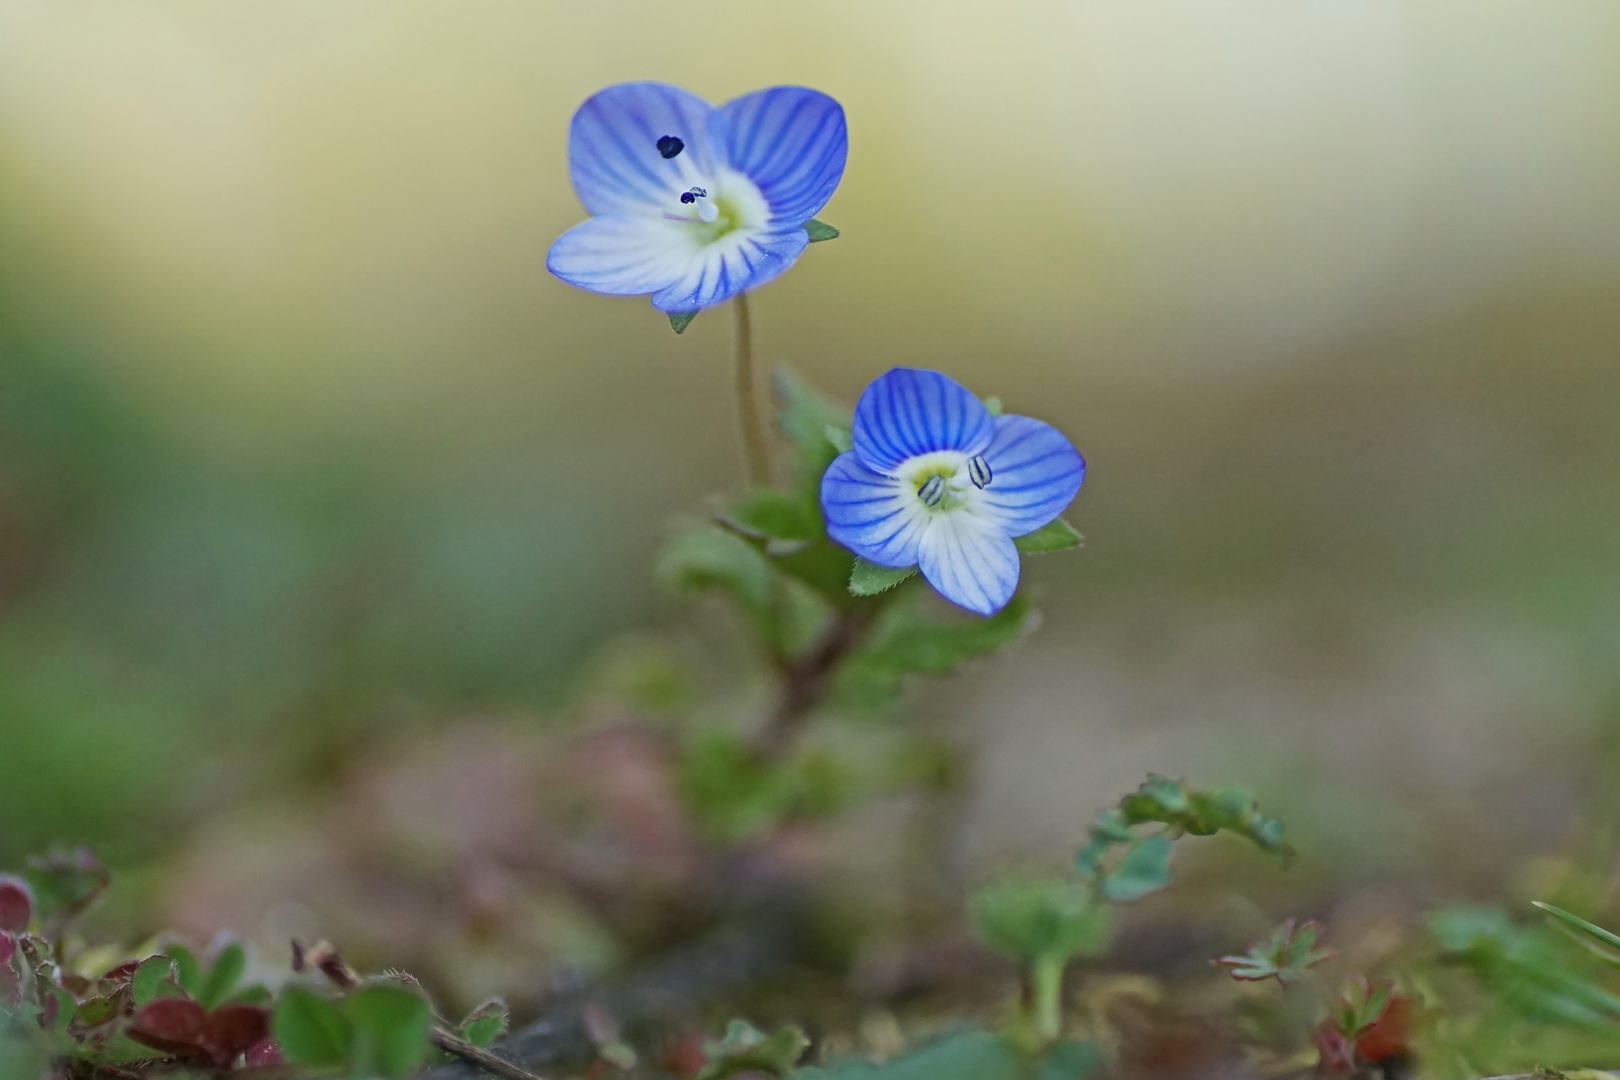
310, 1030
869, 579
770, 513
680, 320
97, 1010
1055, 535
1287, 955
1144, 869
223, 976
147, 981
842, 441
390, 1026
819, 231
187, 972
1025, 919
746, 1049
707, 556
486, 1023
992, 404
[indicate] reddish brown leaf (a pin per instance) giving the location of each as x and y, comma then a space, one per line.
16, 904
263, 1052
1391, 1034
177, 1026
235, 1029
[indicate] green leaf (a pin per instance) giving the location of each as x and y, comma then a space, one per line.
707, 556
390, 1027
97, 1010
145, 984
768, 512
819, 231
992, 404
1055, 535
1287, 955
746, 1049
1591, 930
223, 976
254, 994
1144, 869
1028, 918
962, 1055
869, 579
1072, 1060
680, 320
910, 644
1360, 1005
187, 972
1182, 810
309, 1029
842, 441
805, 416
486, 1023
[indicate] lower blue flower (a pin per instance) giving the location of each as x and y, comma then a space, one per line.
936, 482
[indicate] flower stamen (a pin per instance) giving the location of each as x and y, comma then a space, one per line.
669, 146
932, 491
979, 472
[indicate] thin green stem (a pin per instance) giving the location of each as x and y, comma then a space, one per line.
1046, 974
759, 461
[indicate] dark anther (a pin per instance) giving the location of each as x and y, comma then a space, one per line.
692, 195
670, 146
933, 490
979, 471
688, 197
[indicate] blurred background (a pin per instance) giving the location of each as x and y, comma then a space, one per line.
326, 514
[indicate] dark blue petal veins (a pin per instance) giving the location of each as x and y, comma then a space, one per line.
911, 411
791, 141
614, 147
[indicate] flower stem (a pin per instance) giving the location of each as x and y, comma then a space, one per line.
759, 462
1047, 977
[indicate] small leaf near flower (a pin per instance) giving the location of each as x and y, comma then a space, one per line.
869, 579
820, 230
770, 513
1055, 535
223, 976
680, 320
1287, 955
840, 438
992, 404
390, 1031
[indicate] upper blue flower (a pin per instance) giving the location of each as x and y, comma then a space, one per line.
694, 204
935, 481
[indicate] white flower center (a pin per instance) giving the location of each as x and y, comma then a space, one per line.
726, 203
945, 479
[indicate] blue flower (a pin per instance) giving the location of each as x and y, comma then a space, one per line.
691, 203
935, 481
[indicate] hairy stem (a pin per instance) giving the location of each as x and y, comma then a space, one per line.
480, 1057
759, 461
806, 679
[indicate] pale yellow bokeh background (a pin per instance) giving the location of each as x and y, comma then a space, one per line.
1327, 293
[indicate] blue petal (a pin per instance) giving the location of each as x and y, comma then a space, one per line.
911, 411
1034, 473
726, 267
789, 141
622, 256
970, 560
875, 516
613, 153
